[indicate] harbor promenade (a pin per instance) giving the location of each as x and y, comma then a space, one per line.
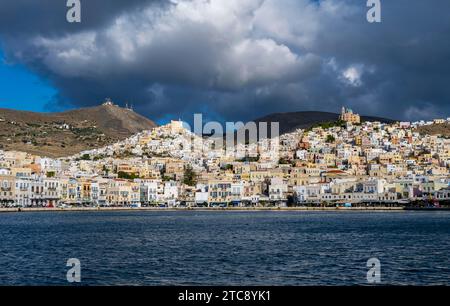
91, 209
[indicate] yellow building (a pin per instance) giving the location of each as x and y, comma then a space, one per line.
175, 169
21, 172
123, 192
219, 191
7, 186
347, 115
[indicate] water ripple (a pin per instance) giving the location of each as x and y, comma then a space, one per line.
220, 248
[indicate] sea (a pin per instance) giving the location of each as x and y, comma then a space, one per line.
197, 248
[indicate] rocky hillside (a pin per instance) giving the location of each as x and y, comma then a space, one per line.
67, 133
442, 129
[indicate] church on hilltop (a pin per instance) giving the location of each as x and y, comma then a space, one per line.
347, 115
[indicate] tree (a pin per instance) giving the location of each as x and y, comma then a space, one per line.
330, 139
227, 167
190, 178
283, 161
249, 159
127, 176
85, 157
105, 170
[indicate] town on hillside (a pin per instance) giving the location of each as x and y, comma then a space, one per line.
341, 163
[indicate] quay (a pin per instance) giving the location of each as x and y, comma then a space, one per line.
94, 209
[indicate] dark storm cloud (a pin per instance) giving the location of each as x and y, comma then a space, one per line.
238, 59
31, 17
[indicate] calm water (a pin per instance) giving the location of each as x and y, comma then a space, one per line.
225, 248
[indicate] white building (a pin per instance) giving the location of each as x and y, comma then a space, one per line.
201, 194
152, 191
171, 191
374, 186
278, 189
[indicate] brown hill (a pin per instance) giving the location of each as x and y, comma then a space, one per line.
67, 133
442, 129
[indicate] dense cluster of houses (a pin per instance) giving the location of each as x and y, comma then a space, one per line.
368, 162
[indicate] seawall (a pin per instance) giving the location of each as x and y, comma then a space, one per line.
97, 209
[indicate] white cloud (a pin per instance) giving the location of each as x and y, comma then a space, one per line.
70, 55
238, 58
352, 76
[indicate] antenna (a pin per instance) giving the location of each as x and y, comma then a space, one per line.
108, 101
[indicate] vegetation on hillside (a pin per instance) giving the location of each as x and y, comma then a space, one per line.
189, 178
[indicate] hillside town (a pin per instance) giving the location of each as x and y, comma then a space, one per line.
346, 162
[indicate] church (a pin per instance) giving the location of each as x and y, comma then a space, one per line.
347, 115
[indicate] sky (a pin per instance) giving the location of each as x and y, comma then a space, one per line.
229, 60
22, 89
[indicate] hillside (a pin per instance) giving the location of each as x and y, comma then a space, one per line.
67, 133
303, 120
442, 129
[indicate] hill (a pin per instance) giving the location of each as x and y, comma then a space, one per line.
303, 120
67, 133
442, 129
